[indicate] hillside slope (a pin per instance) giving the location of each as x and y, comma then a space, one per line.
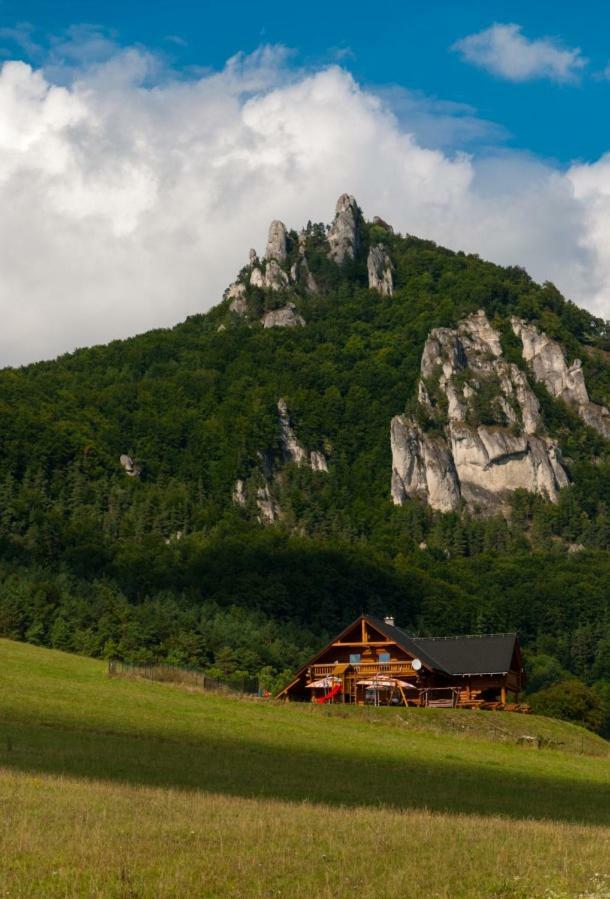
180, 791
162, 496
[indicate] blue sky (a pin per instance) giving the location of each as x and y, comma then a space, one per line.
145, 147
406, 44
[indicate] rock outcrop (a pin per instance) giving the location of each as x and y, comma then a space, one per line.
344, 234
268, 508
566, 382
380, 270
276, 242
129, 466
266, 481
482, 437
422, 467
292, 450
285, 317
301, 275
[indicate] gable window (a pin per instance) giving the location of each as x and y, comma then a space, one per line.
384, 656
354, 658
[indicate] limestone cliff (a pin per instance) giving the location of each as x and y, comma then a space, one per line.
284, 317
566, 382
477, 434
344, 235
380, 269
266, 481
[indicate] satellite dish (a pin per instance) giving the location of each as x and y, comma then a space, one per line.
416, 664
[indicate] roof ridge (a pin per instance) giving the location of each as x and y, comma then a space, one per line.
468, 636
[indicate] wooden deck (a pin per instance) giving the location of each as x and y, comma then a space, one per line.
368, 669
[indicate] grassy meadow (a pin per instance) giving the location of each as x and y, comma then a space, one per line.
124, 788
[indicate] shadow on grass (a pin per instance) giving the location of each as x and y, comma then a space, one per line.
248, 768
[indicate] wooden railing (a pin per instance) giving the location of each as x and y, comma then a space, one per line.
366, 669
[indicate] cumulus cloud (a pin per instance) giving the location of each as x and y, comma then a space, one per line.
130, 198
503, 50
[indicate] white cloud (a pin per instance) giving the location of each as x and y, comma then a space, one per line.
503, 50
129, 205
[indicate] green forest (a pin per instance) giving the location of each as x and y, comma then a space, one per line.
167, 567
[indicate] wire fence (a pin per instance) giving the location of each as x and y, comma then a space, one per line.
187, 677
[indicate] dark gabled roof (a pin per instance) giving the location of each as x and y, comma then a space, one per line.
476, 654
403, 639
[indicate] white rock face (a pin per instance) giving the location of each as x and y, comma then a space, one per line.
380, 269
235, 291
239, 493
276, 242
257, 278
275, 277
422, 467
292, 450
317, 461
566, 382
286, 317
344, 234
129, 466
268, 508
300, 274
487, 438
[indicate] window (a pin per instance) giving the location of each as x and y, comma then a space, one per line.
384, 656
354, 658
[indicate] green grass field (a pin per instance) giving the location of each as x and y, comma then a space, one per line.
124, 788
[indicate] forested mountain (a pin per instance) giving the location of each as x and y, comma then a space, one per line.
231, 483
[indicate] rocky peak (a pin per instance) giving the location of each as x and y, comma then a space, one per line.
276, 242
292, 450
380, 269
547, 360
285, 317
484, 436
344, 234
129, 466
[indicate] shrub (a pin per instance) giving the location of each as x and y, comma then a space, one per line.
570, 700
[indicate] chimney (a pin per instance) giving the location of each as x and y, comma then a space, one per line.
389, 620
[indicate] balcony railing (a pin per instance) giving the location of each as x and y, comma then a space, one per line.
366, 668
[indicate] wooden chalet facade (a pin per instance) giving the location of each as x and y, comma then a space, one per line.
374, 662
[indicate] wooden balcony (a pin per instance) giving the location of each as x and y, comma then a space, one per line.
368, 669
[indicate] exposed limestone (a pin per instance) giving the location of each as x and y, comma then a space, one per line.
129, 466
257, 278
292, 450
268, 508
300, 274
566, 382
235, 291
317, 461
239, 493
239, 306
380, 270
487, 438
275, 277
382, 224
276, 242
422, 467
286, 317
344, 234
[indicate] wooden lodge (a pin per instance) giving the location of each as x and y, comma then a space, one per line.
374, 662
